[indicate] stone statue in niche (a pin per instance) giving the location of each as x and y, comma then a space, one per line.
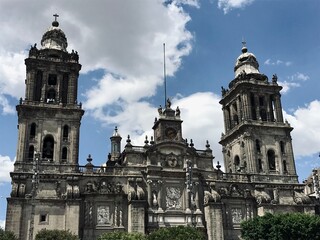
103, 215
212, 195
154, 199
173, 195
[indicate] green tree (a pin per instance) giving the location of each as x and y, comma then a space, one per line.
293, 226
177, 233
122, 236
7, 235
45, 234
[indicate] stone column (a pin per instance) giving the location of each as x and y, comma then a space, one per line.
74, 139
291, 167
247, 106
278, 157
149, 193
257, 106
159, 195
22, 148
30, 85
226, 114
278, 108
251, 161
239, 110
214, 220
269, 109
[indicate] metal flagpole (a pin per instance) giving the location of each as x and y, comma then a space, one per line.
164, 74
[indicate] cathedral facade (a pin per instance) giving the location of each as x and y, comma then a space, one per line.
165, 182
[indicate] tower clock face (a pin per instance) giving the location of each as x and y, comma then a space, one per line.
171, 133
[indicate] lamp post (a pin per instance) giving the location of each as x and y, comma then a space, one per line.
190, 190
35, 184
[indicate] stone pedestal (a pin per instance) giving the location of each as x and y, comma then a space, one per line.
213, 216
136, 216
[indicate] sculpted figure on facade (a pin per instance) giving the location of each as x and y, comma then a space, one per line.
140, 192
261, 196
212, 195
90, 187
300, 197
131, 191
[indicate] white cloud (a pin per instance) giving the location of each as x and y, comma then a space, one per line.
125, 38
6, 107
12, 75
6, 167
287, 86
293, 81
277, 62
299, 77
306, 137
228, 5
134, 63
203, 119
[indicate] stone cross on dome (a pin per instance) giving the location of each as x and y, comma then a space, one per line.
55, 23
244, 47
55, 17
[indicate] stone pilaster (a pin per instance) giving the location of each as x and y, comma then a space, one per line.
213, 216
136, 216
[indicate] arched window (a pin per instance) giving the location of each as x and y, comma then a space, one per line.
271, 160
32, 130
64, 154
51, 96
258, 148
237, 163
30, 152
48, 147
65, 133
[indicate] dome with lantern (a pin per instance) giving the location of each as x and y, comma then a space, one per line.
246, 63
54, 37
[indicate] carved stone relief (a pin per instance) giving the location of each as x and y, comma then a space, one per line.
173, 198
103, 215
236, 214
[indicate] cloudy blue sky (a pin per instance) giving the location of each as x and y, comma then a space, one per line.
120, 44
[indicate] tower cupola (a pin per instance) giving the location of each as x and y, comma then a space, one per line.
115, 144
54, 37
246, 62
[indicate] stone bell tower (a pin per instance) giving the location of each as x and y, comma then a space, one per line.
48, 136
49, 116
256, 139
